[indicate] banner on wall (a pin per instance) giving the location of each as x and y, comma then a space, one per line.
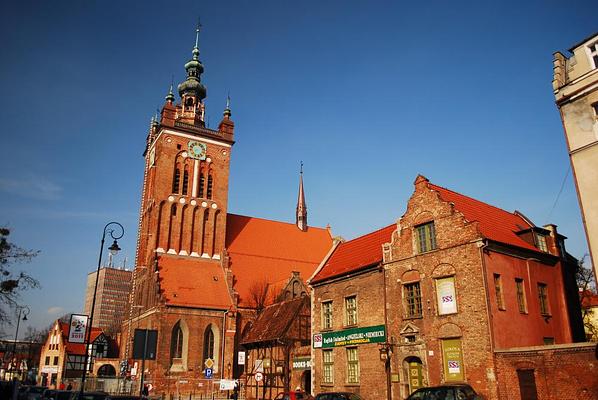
349, 337
447, 300
77, 328
452, 360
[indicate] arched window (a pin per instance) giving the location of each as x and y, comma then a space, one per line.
208, 343
176, 180
185, 181
176, 342
210, 183
202, 184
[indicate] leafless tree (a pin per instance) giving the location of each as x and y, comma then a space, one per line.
587, 289
12, 282
258, 295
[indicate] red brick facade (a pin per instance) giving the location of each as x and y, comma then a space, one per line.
462, 280
561, 372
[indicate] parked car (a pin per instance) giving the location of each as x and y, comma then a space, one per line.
446, 392
52, 394
338, 396
31, 392
294, 395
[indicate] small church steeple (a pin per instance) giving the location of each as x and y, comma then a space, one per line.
301, 213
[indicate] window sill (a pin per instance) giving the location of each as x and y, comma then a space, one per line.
350, 326
414, 317
326, 330
327, 384
352, 384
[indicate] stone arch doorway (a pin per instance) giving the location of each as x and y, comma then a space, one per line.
306, 381
414, 371
106, 370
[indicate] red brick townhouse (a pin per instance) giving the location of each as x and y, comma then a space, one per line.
460, 279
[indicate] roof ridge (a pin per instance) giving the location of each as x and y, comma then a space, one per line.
278, 222
474, 199
370, 233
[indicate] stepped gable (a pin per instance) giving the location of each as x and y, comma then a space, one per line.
494, 223
355, 255
192, 282
262, 250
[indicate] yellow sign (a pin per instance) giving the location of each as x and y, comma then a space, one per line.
209, 363
452, 360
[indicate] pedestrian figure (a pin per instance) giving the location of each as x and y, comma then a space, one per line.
69, 386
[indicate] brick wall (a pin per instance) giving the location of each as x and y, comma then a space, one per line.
369, 289
561, 372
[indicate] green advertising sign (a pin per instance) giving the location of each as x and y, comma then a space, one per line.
348, 337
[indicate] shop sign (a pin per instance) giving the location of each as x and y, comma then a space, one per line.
452, 360
349, 337
302, 363
49, 369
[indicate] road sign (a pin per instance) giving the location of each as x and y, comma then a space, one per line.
208, 372
209, 363
258, 376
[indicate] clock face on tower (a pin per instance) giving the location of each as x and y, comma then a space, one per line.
197, 150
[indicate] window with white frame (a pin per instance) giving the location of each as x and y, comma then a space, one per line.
541, 242
327, 366
352, 365
327, 315
351, 310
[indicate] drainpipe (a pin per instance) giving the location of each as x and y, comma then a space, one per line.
483, 246
224, 313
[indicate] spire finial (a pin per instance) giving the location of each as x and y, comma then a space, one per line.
227, 113
301, 170
197, 33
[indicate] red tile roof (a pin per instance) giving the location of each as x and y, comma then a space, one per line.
356, 254
274, 321
261, 250
192, 282
494, 223
77, 348
588, 299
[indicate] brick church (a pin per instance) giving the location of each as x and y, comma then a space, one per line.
201, 272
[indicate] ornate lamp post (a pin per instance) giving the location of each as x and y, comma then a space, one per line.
108, 229
23, 310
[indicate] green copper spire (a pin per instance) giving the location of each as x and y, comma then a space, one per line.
192, 85
170, 96
227, 112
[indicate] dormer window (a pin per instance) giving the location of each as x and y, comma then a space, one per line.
541, 242
425, 235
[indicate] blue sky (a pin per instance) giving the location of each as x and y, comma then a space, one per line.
367, 94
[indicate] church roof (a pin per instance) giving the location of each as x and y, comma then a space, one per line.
356, 254
191, 282
268, 251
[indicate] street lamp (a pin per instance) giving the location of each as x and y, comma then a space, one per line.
25, 311
385, 353
110, 229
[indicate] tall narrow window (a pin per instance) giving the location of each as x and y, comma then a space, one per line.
521, 302
208, 343
543, 298
176, 180
593, 53
352, 365
202, 184
185, 181
425, 237
327, 315
351, 310
413, 300
210, 182
327, 367
176, 342
500, 300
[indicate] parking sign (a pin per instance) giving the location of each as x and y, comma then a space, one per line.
208, 372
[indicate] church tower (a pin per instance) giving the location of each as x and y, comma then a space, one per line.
185, 189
